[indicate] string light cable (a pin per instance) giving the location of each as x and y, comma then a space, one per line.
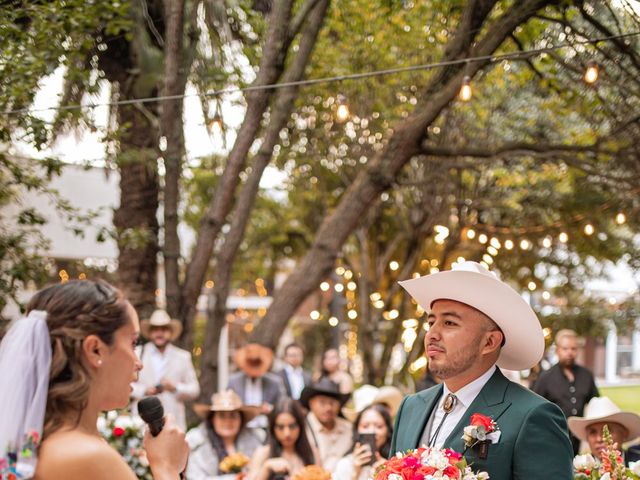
325, 80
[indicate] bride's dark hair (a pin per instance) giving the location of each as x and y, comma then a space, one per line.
75, 309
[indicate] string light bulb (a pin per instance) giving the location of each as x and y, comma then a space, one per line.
563, 237
465, 90
591, 73
621, 218
342, 112
589, 229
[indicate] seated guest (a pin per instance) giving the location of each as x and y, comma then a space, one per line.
361, 463
288, 450
601, 411
223, 432
330, 434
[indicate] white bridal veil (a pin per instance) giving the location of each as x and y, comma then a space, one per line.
25, 360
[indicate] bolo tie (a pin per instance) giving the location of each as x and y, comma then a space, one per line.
448, 406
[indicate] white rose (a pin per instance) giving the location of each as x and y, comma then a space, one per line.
123, 422
584, 462
606, 476
395, 476
102, 424
635, 467
112, 415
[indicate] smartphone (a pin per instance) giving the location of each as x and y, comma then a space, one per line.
368, 439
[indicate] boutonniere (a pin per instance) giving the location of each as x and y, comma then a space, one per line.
481, 432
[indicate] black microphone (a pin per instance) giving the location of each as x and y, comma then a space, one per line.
151, 411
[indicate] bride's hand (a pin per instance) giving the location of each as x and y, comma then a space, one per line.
167, 453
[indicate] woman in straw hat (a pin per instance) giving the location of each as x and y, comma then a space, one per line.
601, 411
288, 450
221, 433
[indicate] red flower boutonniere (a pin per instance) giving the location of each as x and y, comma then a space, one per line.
480, 432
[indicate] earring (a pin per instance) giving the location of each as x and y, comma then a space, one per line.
99, 362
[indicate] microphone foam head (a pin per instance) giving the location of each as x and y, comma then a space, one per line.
150, 409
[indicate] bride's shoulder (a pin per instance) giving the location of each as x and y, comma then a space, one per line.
77, 455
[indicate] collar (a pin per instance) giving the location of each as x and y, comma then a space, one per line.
155, 350
319, 427
470, 391
290, 369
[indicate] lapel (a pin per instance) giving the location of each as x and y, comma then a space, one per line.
285, 378
430, 398
491, 401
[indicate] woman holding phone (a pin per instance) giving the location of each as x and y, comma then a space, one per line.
372, 433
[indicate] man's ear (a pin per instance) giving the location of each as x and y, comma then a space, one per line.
493, 341
94, 350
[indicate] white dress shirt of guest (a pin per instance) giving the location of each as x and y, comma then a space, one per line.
222, 433
362, 462
168, 371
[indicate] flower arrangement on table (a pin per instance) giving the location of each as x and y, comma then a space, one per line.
312, 472
125, 433
610, 468
234, 463
426, 463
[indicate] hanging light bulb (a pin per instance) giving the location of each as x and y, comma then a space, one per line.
621, 218
342, 112
591, 73
589, 229
465, 90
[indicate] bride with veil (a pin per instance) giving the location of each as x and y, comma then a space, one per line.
69, 359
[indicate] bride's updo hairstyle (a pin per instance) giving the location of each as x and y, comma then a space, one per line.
75, 310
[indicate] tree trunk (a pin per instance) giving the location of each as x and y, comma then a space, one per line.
271, 66
135, 219
280, 113
402, 146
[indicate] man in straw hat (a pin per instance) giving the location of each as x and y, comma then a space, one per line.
601, 411
476, 324
255, 384
329, 433
168, 371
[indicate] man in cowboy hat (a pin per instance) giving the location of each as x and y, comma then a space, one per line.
330, 434
476, 324
601, 411
255, 384
168, 371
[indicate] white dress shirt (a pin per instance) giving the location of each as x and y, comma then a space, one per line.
296, 380
466, 395
159, 360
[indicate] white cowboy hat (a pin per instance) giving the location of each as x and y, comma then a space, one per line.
602, 409
160, 318
472, 284
368, 395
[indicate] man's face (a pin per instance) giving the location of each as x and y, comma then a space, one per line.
160, 336
454, 341
325, 409
595, 440
294, 356
567, 350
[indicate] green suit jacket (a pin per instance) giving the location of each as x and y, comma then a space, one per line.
534, 440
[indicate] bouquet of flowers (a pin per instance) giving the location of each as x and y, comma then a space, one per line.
610, 468
233, 463
426, 463
125, 434
312, 472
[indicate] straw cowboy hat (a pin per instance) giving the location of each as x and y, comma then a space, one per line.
472, 284
227, 401
368, 395
602, 409
254, 359
160, 318
325, 387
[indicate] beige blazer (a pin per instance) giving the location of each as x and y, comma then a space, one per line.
179, 371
